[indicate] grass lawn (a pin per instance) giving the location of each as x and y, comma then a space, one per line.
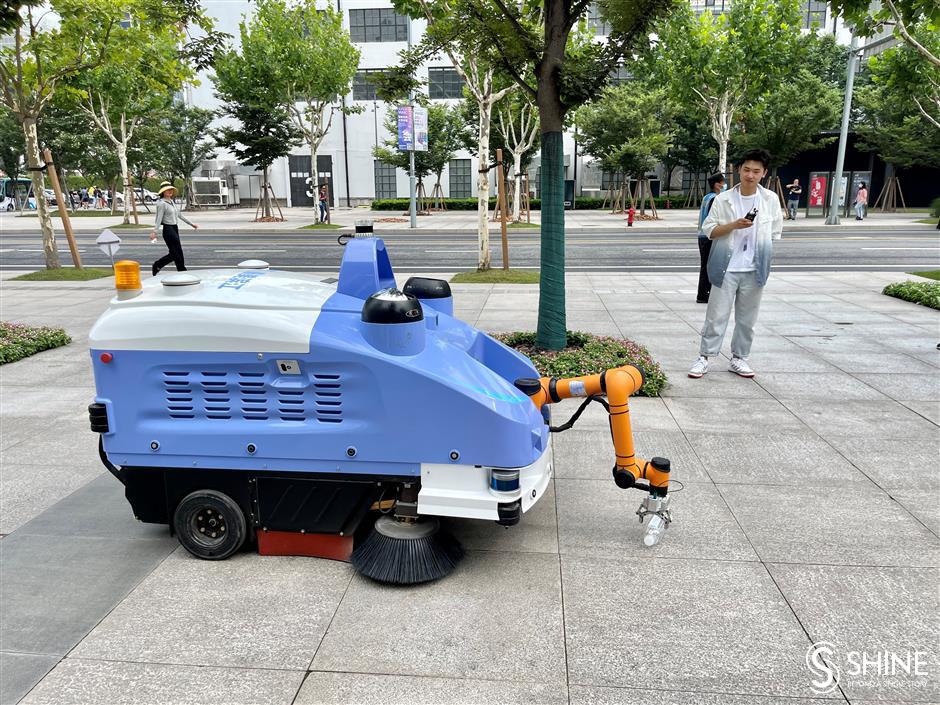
65, 274
131, 226
927, 221
497, 276
931, 274
320, 226
523, 225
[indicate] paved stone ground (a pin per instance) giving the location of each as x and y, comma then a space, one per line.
809, 513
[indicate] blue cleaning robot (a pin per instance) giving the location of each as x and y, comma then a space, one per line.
282, 409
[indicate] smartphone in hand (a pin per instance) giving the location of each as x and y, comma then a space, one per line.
751, 214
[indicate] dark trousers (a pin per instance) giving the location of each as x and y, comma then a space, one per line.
171, 236
704, 286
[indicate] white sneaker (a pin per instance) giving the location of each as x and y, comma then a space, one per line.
699, 367
740, 367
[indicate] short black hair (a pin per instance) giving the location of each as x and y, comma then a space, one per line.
717, 178
756, 155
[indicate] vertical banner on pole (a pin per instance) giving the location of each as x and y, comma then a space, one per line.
406, 142
420, 124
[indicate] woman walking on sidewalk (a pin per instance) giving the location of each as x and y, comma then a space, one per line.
861, 201
167, 215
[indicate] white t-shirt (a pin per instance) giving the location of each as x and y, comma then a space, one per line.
745, 241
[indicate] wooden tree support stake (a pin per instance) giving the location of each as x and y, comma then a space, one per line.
63, 211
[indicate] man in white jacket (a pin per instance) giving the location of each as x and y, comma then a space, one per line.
742, 225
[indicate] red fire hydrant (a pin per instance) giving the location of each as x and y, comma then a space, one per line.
630, 213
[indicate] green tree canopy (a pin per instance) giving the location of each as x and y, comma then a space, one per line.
789, 118
725, 62
263, 130
311, 61
12, 145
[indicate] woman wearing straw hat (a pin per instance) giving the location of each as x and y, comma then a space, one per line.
167, 215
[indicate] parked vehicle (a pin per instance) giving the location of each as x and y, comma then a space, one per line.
13, 193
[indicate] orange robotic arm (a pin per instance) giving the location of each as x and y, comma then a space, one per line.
617, 384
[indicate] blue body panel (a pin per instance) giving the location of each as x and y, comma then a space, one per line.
353, 409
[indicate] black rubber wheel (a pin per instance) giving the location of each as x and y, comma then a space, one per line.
210, 525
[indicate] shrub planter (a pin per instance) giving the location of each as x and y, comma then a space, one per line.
588, 354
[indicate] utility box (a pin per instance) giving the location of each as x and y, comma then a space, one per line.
210, 191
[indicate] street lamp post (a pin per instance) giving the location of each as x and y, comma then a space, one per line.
411, 153
833, 217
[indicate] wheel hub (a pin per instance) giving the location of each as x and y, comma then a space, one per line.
210, 524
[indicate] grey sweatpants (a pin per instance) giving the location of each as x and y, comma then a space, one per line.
740, 290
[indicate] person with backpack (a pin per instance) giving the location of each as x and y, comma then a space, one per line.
716, 184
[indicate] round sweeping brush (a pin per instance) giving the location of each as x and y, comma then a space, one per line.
406, 553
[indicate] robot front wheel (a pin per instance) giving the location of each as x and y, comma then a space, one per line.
210, 524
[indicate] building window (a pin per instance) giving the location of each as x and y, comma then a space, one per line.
610, 180
444, 83
362, 87
596, 22
380, 25
619, 76
814, 13
386, 180
460, 181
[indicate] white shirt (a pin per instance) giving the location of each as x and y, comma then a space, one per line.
744, 245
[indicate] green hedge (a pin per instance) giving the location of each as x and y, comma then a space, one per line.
470, 204
588, 354
923, 293
935, 207
18, 341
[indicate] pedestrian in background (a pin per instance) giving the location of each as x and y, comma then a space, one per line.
166, 222
742, 225
793, 198
861, 201
716, 184
324, 200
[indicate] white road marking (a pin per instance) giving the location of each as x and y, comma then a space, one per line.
252, 251
440, 252
929, 249
672, 250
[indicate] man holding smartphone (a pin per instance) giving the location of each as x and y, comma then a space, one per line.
742, 224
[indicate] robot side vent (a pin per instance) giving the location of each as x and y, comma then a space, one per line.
328, 394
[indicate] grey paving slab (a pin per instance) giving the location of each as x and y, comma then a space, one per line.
838, 525
725, 386
366, 689
839, 341
905, 386
677, 624
817, 385
20, 672
27, 491
497, 616
98, 509
64, 440
893, 462
774, 459
876, 610
878, 363
930, 410
597, 518
924, 504
772, 361
587, 695
737, 416
882, 419
45, 402
83, 682
248, 611
56, 588
646, 414
537, 531
589, 454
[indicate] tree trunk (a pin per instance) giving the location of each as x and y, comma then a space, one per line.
314, 172
125, 179
516, 186
265, 198
45, 220
483, 185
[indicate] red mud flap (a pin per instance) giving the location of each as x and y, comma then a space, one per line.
292, 543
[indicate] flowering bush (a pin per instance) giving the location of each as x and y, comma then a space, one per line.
588, 354
18, 341
924, 293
